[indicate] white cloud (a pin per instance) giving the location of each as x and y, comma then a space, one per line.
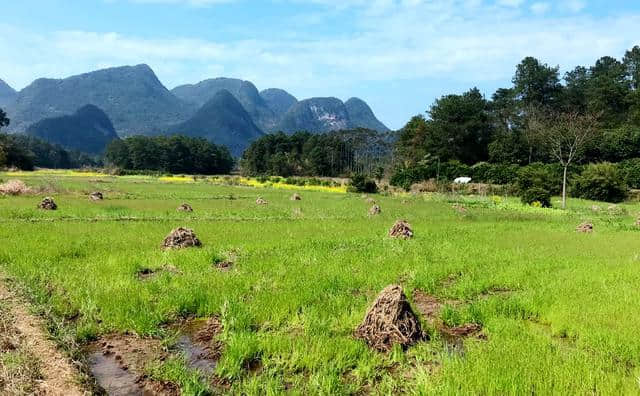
574, 5
510, 3
193, 3
540, 8
454, 40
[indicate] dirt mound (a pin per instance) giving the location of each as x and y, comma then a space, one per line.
374, 210
261, 201
185, 207
296, 197
389, 321
181, 238
401, 229
15, 187
47, 203
96, 196
585, 227
466, 330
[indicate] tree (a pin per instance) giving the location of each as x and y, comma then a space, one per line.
4, 120
565, 135
461, 128
537, 84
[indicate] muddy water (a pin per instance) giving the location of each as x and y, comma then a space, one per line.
197, 356
111, 377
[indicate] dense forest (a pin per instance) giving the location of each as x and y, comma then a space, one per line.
174, 154
470, 128
337, 153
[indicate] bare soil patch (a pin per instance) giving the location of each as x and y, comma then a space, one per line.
390, 320
48, 371
199, 343
118, 364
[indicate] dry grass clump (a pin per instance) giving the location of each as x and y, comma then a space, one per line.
47, 203
390, 320
15, 187
374, 210
585, 227
181, 238
185, 207
96, 196
401, 229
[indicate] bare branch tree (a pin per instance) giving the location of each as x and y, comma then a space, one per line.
565, 136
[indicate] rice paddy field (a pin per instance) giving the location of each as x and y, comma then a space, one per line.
284, 286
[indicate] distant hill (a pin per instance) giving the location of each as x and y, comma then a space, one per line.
329, 114
316, 115
222, 120
132, 96
278, 100
137, 103
361, 115
7, 94
244, 91
88, 130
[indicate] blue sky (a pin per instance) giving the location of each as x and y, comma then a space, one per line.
398, 55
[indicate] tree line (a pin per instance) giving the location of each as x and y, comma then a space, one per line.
331, 154
27, 152
173, 154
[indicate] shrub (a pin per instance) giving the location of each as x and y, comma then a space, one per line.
602, 182
362, 184
536, 196
631, 172
535, 184
14, 187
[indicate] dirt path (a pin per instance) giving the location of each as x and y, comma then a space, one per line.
24, 334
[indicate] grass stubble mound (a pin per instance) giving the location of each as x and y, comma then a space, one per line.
47, 203
401, 229
374, 210
261, 201
185, 207
585, 227
296, 197
96, 196
390, 320
181, 237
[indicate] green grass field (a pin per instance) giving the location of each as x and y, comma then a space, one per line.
565, 319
